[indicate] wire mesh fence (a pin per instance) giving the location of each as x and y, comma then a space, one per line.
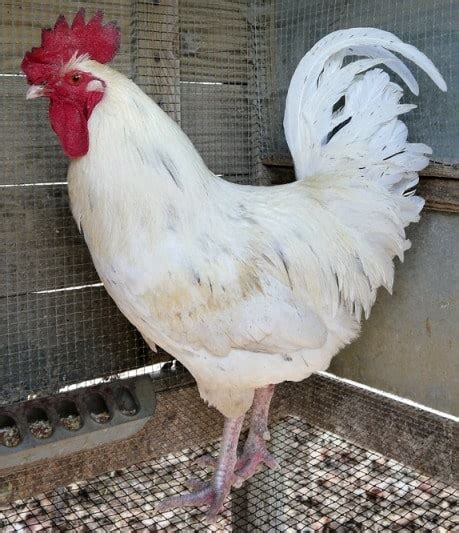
286, 29
324, 483
58, 324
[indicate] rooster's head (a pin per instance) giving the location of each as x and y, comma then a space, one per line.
53, 71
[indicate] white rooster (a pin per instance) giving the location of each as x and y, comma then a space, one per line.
246, 286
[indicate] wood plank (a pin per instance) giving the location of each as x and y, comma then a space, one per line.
21, 22
441, 170
383, 424
40, 245
214, 41
440, 194
155, 52
55, 339
216, 118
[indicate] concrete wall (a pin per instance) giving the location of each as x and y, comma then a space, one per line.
410, 344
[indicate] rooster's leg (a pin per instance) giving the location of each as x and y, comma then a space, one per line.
215, 492
255, 453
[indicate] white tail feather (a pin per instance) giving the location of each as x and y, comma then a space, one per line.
372, 142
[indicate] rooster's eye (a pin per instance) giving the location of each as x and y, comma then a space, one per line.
76, 78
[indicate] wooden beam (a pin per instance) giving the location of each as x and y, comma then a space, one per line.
210, 51
441, 170
155, 31
440, 194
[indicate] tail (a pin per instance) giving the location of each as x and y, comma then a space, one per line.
345, 118
342, 120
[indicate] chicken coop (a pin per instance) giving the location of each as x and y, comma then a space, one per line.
95, 427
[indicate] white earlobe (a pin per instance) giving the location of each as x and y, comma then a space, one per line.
95, 85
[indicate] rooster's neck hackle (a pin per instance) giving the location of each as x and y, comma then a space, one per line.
135, 145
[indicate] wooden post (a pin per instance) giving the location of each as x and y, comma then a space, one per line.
155, 52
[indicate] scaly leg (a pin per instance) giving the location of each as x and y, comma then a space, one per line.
254, 453
215, 492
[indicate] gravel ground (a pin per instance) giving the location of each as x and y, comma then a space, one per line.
41, 429
10, 436
71, 422
324, 484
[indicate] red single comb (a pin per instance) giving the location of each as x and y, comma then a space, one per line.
59, 44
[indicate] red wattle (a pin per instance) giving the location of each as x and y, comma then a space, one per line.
71, 126
70, 122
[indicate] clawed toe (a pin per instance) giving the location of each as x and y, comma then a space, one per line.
203, 494
252, 464
246, 466
229, 470
211, 494
195, 485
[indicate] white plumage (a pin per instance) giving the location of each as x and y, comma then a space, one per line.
249, 286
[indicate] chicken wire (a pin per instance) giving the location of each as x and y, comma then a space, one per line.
324, 483
286, 29
58, 326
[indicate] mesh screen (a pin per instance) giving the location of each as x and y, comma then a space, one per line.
324, 483
286, 29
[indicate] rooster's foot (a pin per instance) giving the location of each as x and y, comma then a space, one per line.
203, 494
212, 494
250, 462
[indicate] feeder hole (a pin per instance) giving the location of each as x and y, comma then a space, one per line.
98, 408
69, 416
39, 424
126, 402
9, 432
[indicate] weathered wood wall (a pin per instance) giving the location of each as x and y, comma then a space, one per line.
49, 336
214, 75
